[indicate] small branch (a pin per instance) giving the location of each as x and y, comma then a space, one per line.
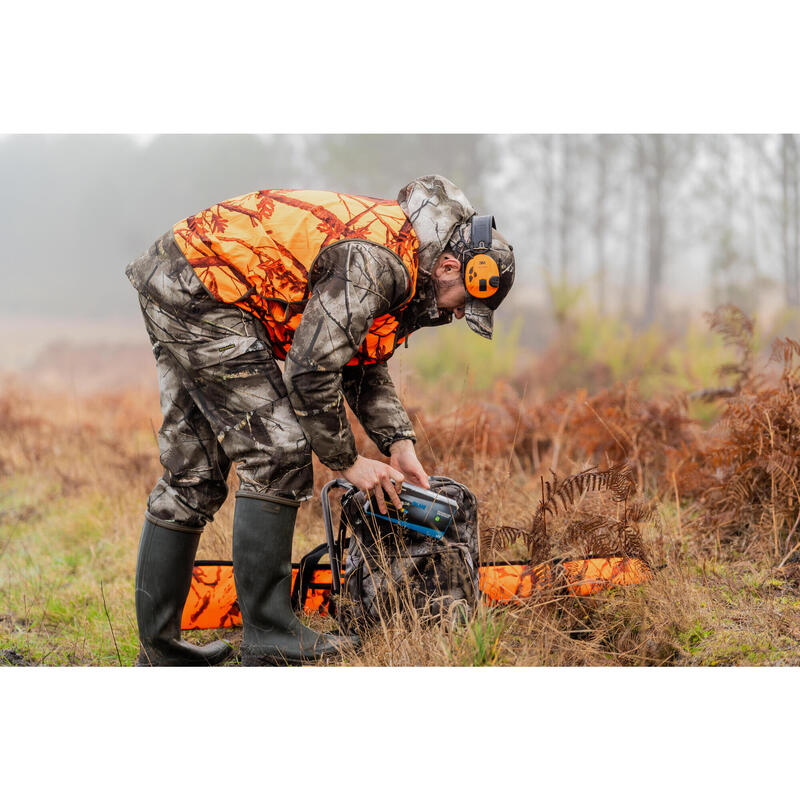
678, 507
105, 608
713, 394
606, 426
788, 556
772, 493
559, 433
544, 513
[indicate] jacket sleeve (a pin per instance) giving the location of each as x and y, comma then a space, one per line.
353, 283
371, 394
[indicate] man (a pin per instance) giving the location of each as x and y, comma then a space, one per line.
332, 284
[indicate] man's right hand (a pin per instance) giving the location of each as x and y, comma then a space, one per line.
376, 477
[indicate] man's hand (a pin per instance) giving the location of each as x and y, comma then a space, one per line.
404, 457
376, 477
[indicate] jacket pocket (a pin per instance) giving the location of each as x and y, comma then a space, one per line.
209, 354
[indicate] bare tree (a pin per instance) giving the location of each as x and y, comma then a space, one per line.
753, 193
790, 232
567, 206
653, 164
602, 151
663, 163
775, 160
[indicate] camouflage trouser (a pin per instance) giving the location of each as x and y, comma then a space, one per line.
223, 399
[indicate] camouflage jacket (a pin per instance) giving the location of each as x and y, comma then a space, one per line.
352, 282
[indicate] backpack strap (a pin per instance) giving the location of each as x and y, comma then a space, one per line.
308, 564
337, 545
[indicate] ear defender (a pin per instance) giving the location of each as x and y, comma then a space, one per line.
482, 276
481, 273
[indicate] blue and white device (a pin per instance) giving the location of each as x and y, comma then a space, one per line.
423, 511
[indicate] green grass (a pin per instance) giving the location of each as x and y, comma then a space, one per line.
478, 641
66, 578
694, 638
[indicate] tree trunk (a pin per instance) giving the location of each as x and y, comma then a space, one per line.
548, 201
795, 218
600, 218
789, 218
654, 168
754, 190
634, 225
565, 222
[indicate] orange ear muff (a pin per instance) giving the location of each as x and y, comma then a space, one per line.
482, 276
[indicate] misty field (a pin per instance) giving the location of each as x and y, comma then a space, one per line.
705, 421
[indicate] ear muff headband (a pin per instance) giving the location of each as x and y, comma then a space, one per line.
481, 273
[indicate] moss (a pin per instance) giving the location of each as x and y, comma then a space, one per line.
694, 638
747, 649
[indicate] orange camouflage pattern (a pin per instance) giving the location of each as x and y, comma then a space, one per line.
256, 252
211, 602
506, 583
212, 597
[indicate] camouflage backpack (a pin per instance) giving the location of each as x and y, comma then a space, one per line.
391, 570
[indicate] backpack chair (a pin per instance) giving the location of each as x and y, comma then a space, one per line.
421, 560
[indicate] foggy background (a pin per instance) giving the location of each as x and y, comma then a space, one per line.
655, 227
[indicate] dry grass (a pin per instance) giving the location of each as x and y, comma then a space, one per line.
714, 508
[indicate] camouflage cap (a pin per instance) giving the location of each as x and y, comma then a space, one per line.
480, 313
435, 206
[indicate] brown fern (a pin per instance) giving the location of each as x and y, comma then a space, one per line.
497, 539
560, 495
745, 475
736, 329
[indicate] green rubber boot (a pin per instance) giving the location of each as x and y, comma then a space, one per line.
163, 577
262, 568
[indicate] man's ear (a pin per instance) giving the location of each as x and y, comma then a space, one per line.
449, 263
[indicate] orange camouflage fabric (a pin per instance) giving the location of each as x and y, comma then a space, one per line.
507, 583
257, 252
212, 596
212, 602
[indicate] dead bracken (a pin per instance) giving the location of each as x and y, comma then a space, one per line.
709, 500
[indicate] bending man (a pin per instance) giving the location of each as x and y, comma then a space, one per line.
332, 284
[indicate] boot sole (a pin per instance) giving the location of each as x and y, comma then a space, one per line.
144, 661
281, 660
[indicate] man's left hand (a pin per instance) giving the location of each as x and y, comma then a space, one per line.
404, 457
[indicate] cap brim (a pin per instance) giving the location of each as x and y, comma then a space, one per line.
479, 317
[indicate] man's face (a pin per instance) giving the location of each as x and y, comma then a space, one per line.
450, 291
